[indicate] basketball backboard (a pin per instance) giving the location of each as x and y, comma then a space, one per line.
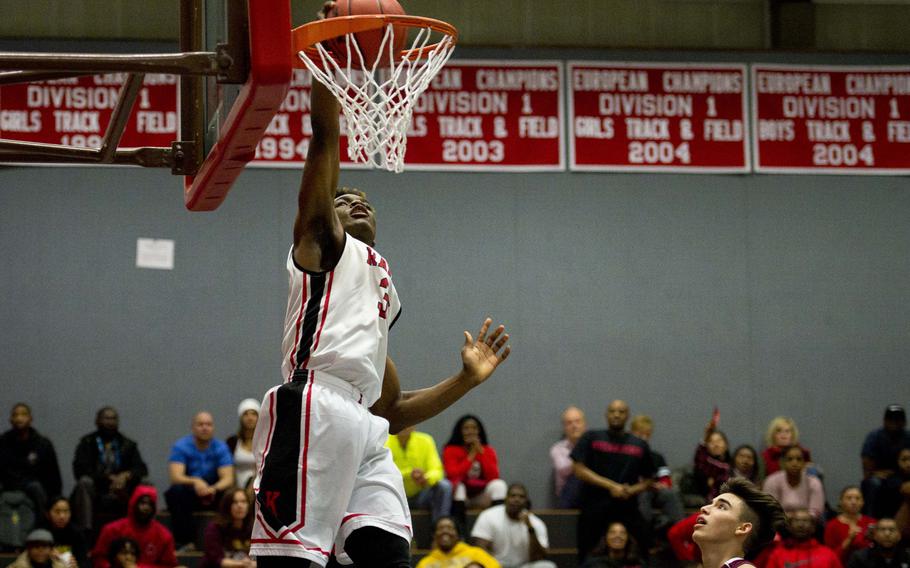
234, 68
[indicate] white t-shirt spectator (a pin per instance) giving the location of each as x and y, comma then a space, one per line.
510, 537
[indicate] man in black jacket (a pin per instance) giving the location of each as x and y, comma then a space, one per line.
107, 467
29, 462
886, 552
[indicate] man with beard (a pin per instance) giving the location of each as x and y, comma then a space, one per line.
514, 535
107, 467
449, 551
156, 544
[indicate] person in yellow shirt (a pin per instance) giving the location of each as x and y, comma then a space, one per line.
449, 551
425, 484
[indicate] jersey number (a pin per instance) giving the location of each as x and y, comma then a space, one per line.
383, 304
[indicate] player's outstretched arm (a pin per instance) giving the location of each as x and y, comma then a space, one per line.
318, 235
479, 359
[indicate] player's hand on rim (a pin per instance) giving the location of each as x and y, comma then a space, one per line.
480, 357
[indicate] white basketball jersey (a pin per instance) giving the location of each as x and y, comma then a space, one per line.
338, 322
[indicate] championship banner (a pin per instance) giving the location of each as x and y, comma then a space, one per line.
475, 115
76, 111
658, 117
833, 120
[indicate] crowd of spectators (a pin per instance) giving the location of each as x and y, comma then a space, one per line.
631, 507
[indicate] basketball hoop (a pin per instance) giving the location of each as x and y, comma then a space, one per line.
377, 91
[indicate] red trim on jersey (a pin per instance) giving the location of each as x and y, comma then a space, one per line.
303, 298
355, 515
287, 541
325, 312
265, 453
303, 458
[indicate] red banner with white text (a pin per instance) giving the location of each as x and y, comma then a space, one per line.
76, 111
475, 115
833, 120
669, 117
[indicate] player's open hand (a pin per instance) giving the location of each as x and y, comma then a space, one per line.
480, 357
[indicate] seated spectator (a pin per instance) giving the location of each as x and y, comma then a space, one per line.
417, 459
711, 465
201, 469
241, 443
227, 538
516, 537
472, 467
879, 457
847, 532
799, 548
69, 543
107, 467
903, 512
782, 433
156, 544
661, 495
745, 463
567, 486
449, 550
618, 550
680, 538
886, 551
123, 553
39, 552
29, 461
793, 487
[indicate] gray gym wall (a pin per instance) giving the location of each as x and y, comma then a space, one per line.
764, 295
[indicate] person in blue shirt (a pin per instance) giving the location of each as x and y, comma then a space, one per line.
201, 469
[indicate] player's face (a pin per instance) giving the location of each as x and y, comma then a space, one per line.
20, 418
886, 533
203, 427
59, 515
357, 217
617, 415
617, 537
719, 520
446, 535
851, 502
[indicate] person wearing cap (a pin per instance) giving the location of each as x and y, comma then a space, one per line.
241, 443
879, 457
39, 547
107, 467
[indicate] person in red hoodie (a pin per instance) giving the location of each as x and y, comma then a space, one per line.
472, 467
800, 548
156, 543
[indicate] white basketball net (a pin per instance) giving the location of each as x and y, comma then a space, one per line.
377, 101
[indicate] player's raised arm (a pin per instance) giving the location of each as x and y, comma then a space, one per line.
479, 358
318, 235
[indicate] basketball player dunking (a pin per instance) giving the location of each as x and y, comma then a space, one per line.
326, 485
738, 523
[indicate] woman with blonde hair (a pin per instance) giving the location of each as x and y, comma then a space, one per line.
782, 433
